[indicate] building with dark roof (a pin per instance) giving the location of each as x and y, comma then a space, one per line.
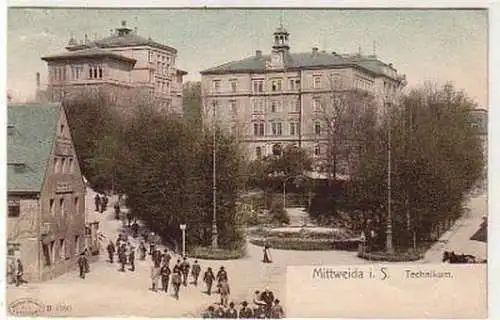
124, 62
272, 100
45, 191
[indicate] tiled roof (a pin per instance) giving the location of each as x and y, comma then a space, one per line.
31, 133
308, 60
122, 40
90, 52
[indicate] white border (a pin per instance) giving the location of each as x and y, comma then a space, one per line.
494, 91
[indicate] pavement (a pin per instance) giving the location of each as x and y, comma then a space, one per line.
107, 292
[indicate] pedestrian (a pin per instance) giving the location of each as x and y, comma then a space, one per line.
97, 201
12, 272
224, 293
131, 258
231, 313
142, 251
152, 244
155, 275
82, 260
220, 312
222, 275
245, 312
20, 273
195, 272
267, 255
122, 256
135, 229
268, 298
259, 312
166, 257
177, 267
209, 278
129, 218
277, 310
185, 271
104, 202
111, 251
117, 210
165, 276
86, 252
176, 282
209, 313
257, 300
157, 258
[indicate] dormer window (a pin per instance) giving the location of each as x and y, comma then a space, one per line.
10, 129
19, 167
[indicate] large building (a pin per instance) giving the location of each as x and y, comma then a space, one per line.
45, 192
276, 100
124, 62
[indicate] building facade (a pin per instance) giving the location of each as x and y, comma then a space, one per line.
274, 100
124, 63
45, 192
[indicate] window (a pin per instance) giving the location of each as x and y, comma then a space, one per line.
62, 249
56, 165
276, 128
317, 82
77, 205
317, 150
277, 149
52, 207
291, 84
158, 66
295, 105
317, 128
258, 152
316, 105
216, 85
14, 208
100, 72
233, 106
234, 85
258, 129
276, 85
63, 165
294, 128
76, 244
258, 106
46, 254
275, 106
61, 206
70, 165
61, 129
258, 86
336, 81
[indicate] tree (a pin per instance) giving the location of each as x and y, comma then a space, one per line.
192, 103
436, 159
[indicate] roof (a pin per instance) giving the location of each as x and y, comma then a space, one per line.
32, 130
296, 61
181, 72
130, 39
89, 53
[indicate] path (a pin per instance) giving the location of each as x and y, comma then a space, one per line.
458, 237
298, 217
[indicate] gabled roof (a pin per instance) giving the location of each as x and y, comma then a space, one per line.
296, 61
89, 53
32, 131
122, 40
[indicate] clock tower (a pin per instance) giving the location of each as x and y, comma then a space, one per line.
280, 47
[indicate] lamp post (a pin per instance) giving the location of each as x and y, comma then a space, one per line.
214, 188
389, 245
183, 229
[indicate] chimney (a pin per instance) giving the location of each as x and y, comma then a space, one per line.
334, 53
390, 65
315, 50
38, 80
86, 39
258, 53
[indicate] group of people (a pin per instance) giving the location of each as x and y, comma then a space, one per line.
15, 272
101, 202
124, 250
266, 306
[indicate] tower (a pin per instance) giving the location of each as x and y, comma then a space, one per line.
280, 46
123, 31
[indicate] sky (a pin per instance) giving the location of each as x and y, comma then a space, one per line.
426, 45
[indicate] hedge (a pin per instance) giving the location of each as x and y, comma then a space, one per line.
306, 244
207, 253
395, 257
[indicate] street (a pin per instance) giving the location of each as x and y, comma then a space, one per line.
107, 292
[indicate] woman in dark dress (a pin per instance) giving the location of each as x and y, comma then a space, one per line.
267, 258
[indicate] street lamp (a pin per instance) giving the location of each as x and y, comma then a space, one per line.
183, 229
389, 245
214, 187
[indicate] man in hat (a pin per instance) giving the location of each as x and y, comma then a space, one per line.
209, 313
222, 275
122, 256
195, 272
142, 251
220, 312
111, 251
82, 261
209, 278
97, 201
166, 257
117, 210
176, 282
231, 312
165, 276
224, 293
268, 298
245, 312
277, 311
185, 271
131, 258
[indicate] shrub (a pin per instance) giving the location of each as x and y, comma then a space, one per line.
208, 253
298, 243
396, 257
